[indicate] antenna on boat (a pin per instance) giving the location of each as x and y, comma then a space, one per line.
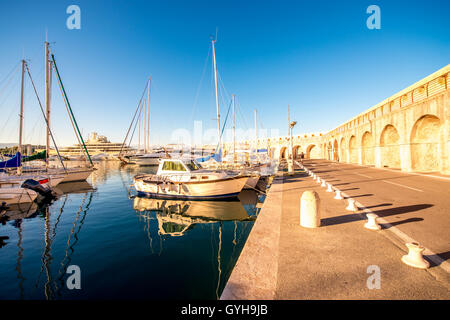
19, 168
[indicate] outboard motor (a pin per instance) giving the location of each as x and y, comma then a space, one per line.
37, 187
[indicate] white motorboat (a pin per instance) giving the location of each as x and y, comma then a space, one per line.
11, 192
185, 179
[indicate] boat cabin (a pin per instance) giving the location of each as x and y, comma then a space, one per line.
177, 166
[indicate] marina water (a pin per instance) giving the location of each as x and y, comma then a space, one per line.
125, 247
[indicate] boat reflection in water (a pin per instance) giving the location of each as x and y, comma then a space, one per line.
175, 217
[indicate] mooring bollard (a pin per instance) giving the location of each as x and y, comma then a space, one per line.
338, 195
310, 209
330, 189
372, 223
414, 257
324, 184
290, 167
351, 205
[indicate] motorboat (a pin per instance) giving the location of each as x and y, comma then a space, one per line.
185, 179
11, 192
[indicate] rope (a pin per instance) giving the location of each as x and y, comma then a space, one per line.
68, 104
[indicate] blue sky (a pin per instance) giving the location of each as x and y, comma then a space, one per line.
317, 56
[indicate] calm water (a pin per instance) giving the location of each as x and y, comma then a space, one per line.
126, 248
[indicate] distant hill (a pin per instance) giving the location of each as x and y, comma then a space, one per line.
7, 145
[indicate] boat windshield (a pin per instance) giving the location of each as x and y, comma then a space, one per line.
192, 165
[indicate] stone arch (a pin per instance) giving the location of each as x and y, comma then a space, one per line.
283, 153
342, 150
335, 150
390, 147
353, 150
368, 149
329, 151
312, 152
425, 144
296, 150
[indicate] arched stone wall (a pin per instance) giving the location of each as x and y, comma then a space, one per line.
425, 144
368, 149
343, 150
283, 153
335, 150
390, 147
312, 152
353, 150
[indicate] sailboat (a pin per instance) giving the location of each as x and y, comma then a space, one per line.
145, 156
70, 174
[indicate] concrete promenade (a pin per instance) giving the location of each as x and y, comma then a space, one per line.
282, 260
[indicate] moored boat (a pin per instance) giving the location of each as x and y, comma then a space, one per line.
185, 179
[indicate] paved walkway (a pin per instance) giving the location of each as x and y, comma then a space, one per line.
282, 260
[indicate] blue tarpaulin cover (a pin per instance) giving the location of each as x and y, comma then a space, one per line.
14, 162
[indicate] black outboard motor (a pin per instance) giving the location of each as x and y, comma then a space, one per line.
37, 187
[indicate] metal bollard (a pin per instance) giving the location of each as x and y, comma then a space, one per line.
338, 195
351, 205
310, 209
372, 223
329, 189
414, 257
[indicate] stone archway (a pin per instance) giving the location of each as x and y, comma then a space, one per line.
335, 151
342, 151
296, 150
425, 144
312, 152
368, 149
390, 147
353, 150
283, 153
329, 151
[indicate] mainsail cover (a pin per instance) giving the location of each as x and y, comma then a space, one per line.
38, 156
14, 162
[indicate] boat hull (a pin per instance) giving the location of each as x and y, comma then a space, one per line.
251, 182
215, 189
16, 195
77, 175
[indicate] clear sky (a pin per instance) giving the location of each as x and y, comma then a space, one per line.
317, 56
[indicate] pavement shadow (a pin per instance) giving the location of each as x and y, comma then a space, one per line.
359, 196
391, 224
379, 205
349, 189
341, 219
382, 213
444, 256
402, 210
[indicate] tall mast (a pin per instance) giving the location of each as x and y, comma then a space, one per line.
256, 131
234, 135
217, 93
148, 114
47, 101
139, 131
19, 169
